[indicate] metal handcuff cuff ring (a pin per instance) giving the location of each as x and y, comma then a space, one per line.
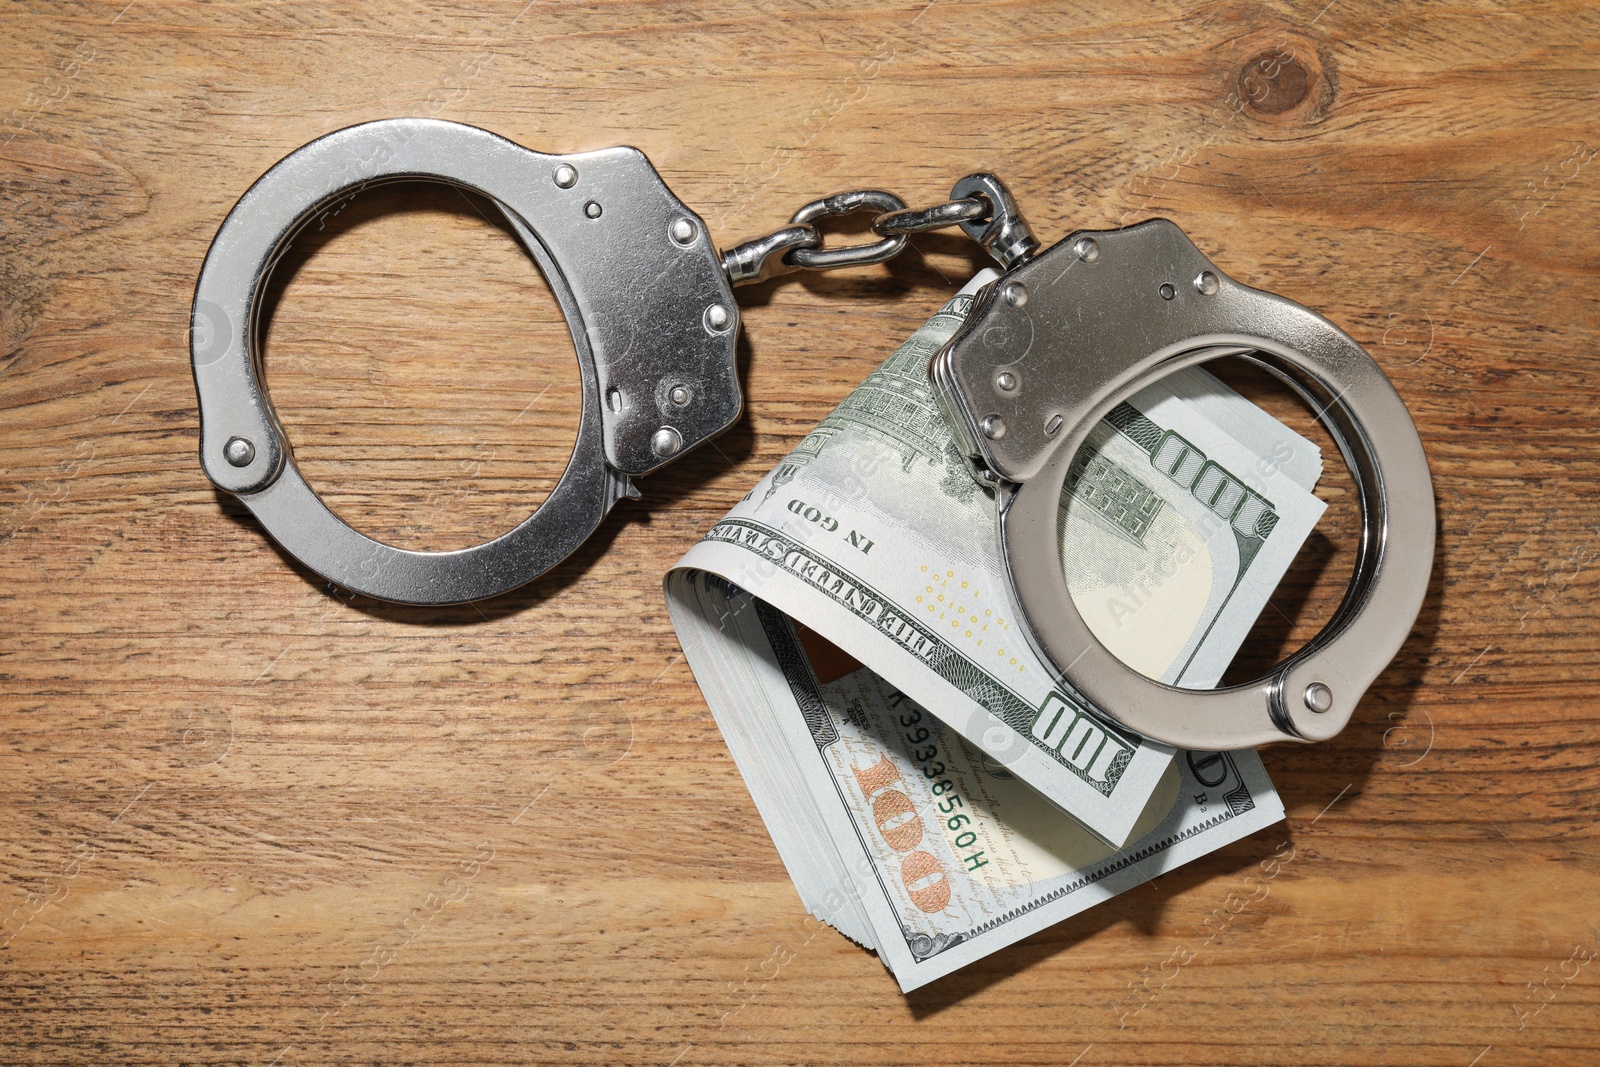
1046, 352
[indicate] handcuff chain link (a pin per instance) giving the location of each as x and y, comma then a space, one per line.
798, 246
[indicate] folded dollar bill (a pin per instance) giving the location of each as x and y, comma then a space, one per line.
1178, 522
918, 785
896, 830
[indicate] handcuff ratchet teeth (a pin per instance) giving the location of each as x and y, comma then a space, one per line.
1047, 350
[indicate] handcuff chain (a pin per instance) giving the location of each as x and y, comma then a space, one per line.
798, 246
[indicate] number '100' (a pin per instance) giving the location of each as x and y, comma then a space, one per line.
901, 827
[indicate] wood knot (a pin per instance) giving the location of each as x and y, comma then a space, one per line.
1273, 82
1279, 79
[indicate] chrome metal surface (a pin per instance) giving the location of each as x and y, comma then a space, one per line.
938, 217
1096, 328
666, 442
986, 212
600, 226
1004, 234
848, 203
239, 452
765, 257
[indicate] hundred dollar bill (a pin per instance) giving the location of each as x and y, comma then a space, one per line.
900, 833
874, 534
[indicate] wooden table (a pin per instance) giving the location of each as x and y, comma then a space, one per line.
246, 818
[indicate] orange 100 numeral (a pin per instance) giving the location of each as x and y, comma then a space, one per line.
901, 827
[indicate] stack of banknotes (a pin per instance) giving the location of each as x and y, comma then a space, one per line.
933, 793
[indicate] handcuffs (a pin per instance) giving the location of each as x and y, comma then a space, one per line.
1046, 351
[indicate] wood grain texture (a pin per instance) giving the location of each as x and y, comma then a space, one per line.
245, 819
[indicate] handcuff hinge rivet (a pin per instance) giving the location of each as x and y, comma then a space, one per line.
1006, 381
1088, 249
679, 395
666, 441
1016, 294
1206, 283
717, 318
683, 231
592, 209
566, 176
239, 451
1319, 698
994, 427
